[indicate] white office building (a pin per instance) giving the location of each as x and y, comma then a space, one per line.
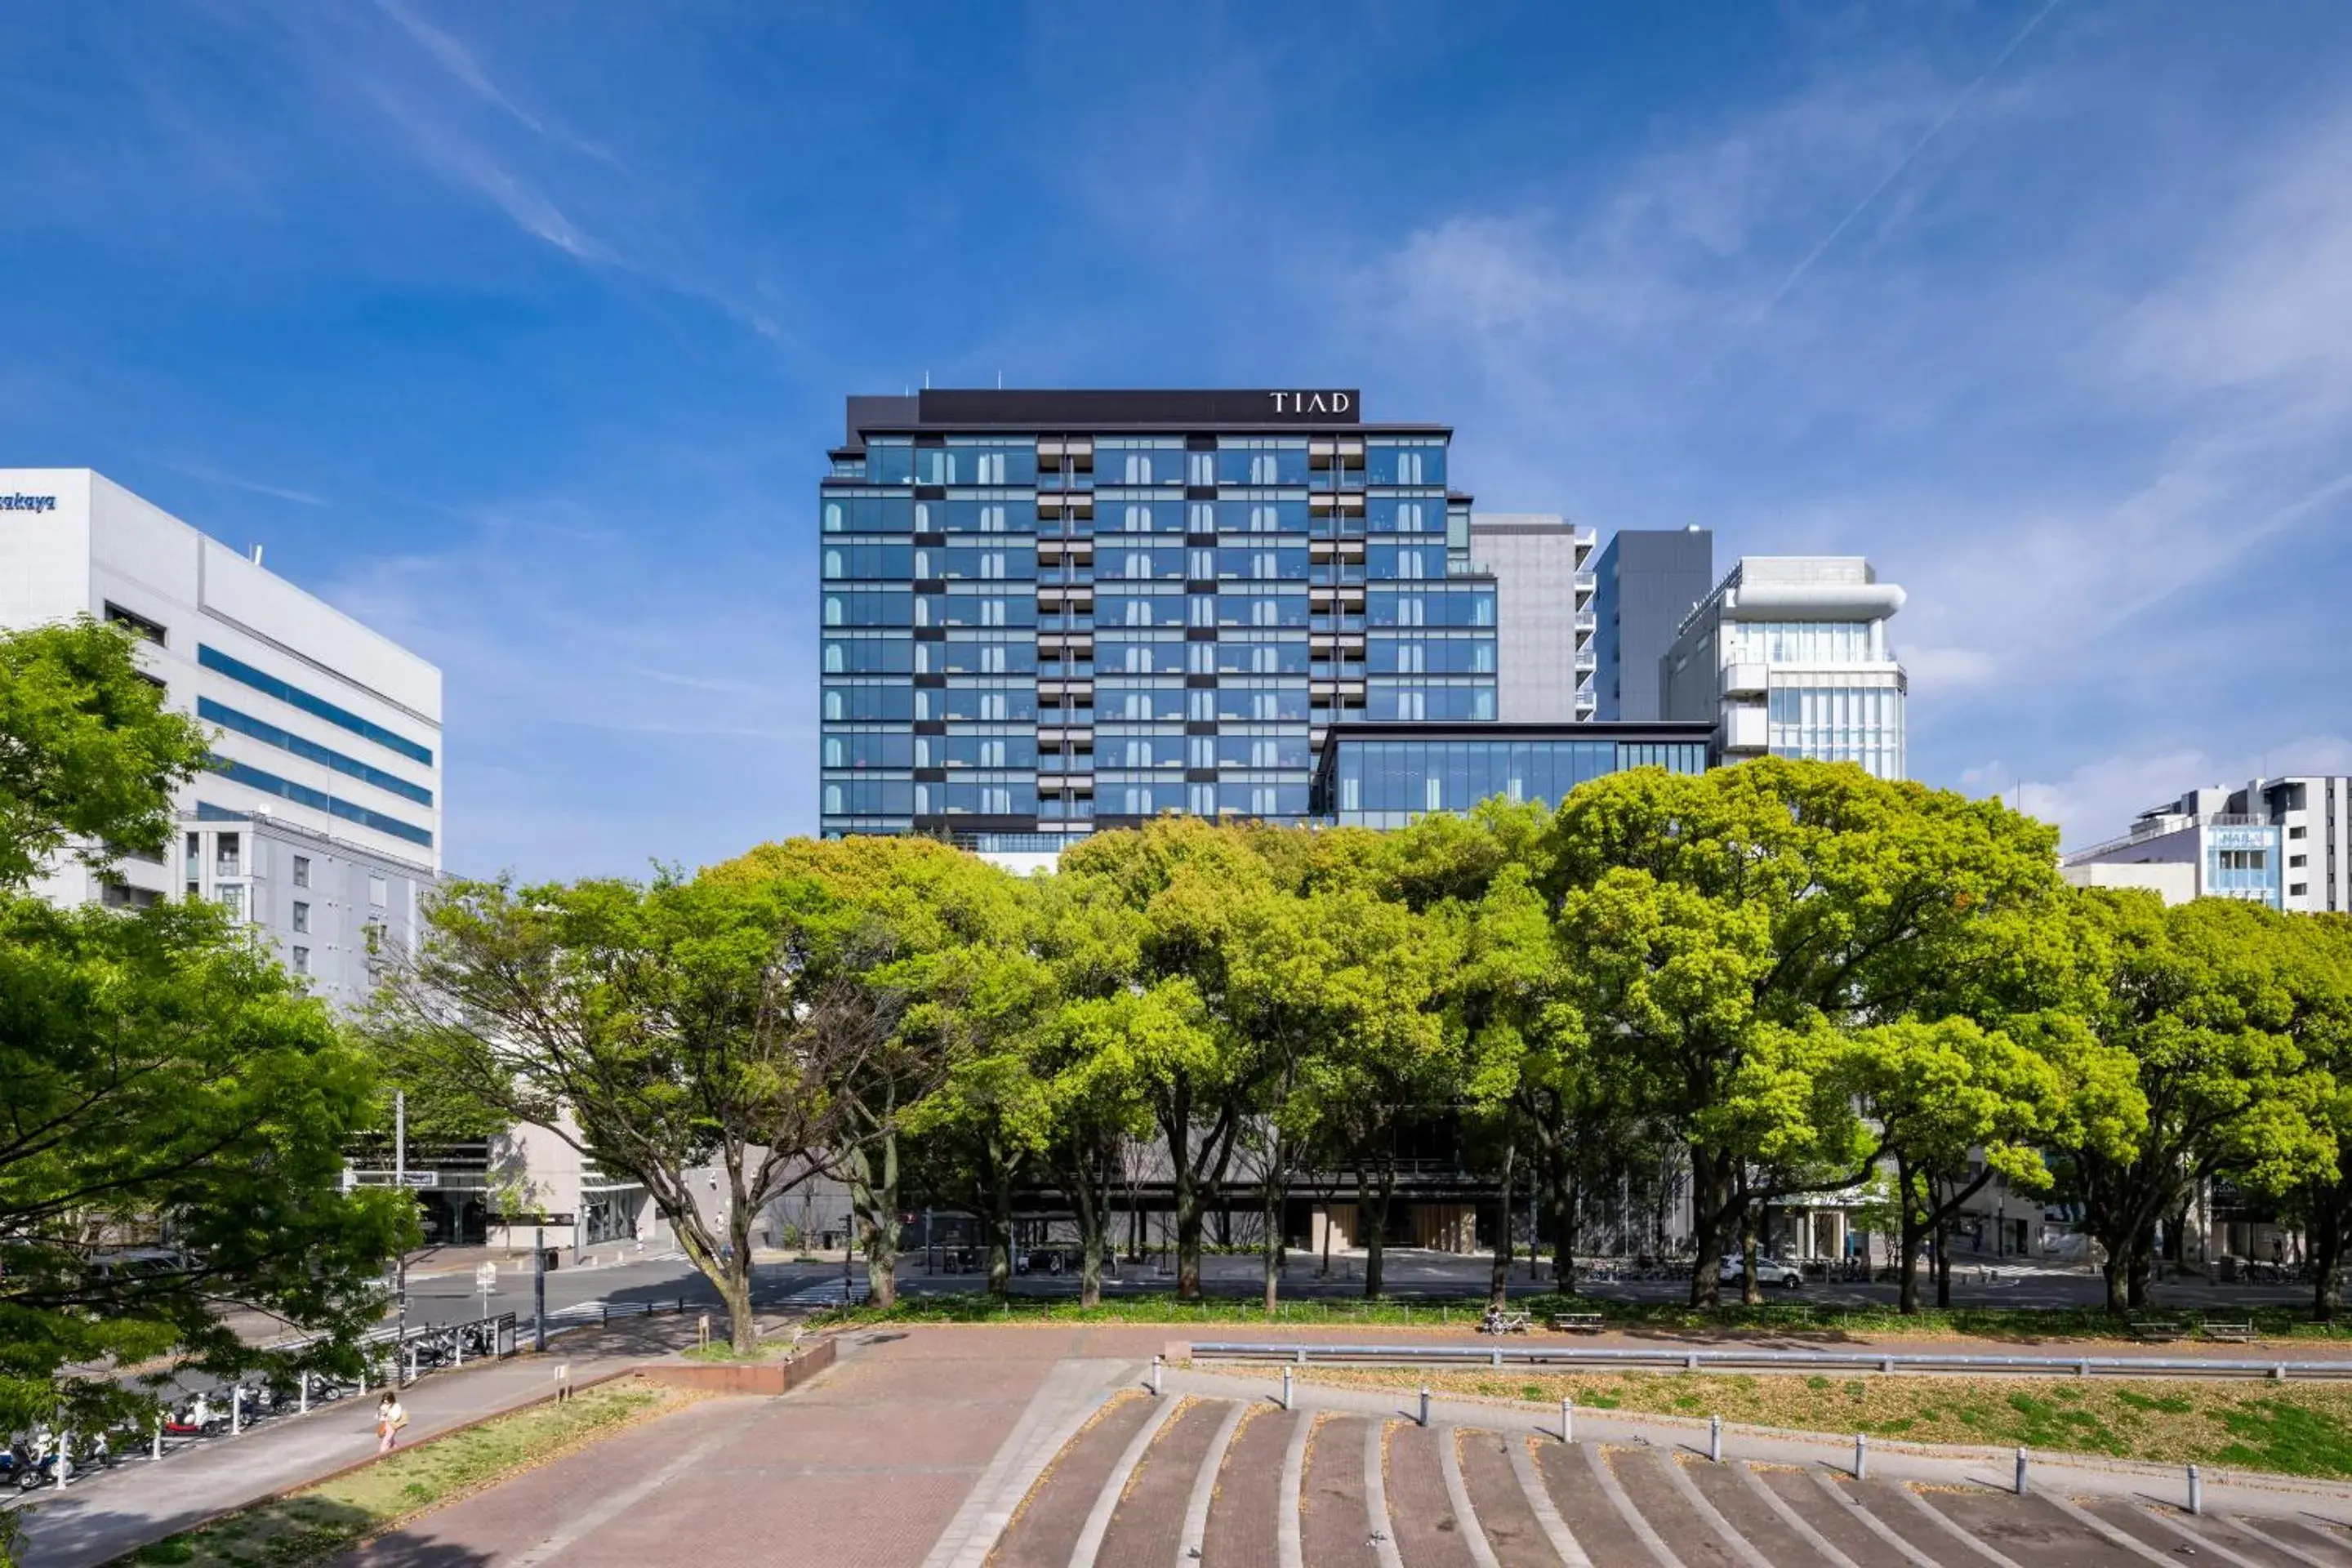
320, 822
1788, 657
2277, 841
1544, 620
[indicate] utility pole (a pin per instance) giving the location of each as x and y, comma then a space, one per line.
400, 1178
539, 1287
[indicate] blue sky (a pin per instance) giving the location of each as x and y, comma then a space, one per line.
520, 330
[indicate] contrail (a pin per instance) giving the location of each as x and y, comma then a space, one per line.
1798, 271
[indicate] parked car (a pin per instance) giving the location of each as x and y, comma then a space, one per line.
1731, 1270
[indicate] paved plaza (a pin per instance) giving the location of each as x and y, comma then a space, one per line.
1039, 1446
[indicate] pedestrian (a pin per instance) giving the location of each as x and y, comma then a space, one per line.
390, 1417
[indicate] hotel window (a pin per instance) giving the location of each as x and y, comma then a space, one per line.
379, 891
301, 918
301, 870
301, 961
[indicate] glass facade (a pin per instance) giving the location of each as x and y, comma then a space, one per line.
2243, 862
1838, 722
1388, 780
1073, 624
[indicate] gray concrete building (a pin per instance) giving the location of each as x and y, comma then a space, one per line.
1644, 582
1544, 618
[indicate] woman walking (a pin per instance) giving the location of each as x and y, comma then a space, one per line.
390, 1417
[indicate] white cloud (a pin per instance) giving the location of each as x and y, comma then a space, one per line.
2097, 800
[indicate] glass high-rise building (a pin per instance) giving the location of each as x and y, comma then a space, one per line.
1045, 612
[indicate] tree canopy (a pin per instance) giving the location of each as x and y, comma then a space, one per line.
174, 1109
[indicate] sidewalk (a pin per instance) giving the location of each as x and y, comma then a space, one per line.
114, 1511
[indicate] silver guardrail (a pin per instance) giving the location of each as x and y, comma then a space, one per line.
1676, 1359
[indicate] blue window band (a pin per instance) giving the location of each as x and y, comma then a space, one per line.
311, 751
320, 800
212, 659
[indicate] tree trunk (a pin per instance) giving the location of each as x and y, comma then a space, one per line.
2112, 1273
1178, 1128
1943, 1260
1710, 1195
2136, 1277
1000, 1230
735, 1291
873, 1196
1565, 1221
1906, 1295
1375, 1207
1751, 1289
1498, 1277
1270, 1243
2326, 1253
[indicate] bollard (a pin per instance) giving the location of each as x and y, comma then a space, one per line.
2020, 1472
1424, 1405
411, 1363
1566, 1418
458, 1344
158, 1437
2196, 1491
2278, 1372
236, 1410
65, 1456
1715, 1439
303, 1406
1862, 1456
1285, 1388
1155, 1374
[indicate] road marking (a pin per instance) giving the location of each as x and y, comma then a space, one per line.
1879, 1527
1951, 1528
1195, 1539
1798, 1522
1289, 1549
1090, 1539
1741, 1547
1615, 1492
1457, 1493
1563, 1540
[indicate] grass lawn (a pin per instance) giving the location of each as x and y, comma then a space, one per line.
316, 1524
2296, 1428
1783, 1317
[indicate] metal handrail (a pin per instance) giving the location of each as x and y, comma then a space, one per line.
1695, 1360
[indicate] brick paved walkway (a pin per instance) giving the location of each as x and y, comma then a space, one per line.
865, 1467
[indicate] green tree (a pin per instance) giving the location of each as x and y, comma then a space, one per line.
88, 754
925, 932
1184, 880
1722, 931
175, 1106
2210, 1003
664, 1031
1939, 1095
